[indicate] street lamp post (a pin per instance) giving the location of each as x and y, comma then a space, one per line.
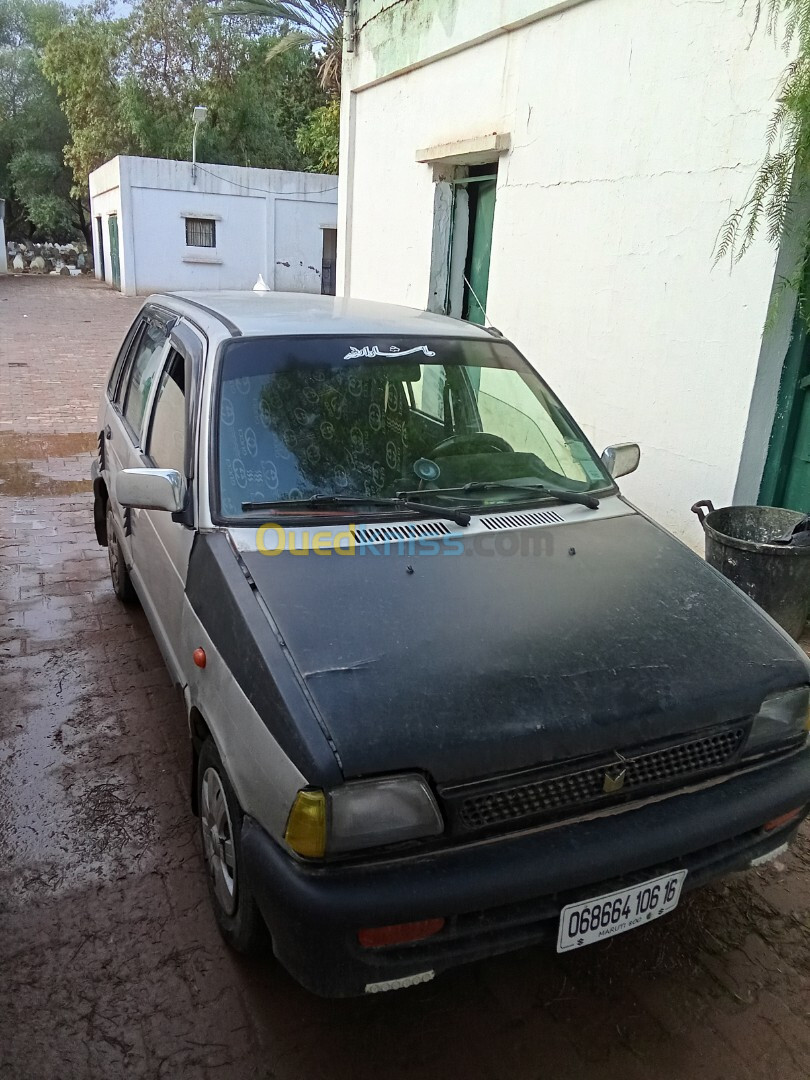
199, 116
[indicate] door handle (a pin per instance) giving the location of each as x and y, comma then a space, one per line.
108, 432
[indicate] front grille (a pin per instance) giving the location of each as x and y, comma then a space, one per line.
552, 795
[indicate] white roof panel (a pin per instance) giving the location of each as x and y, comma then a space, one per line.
270, 313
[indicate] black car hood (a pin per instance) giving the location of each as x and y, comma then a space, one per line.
475, 664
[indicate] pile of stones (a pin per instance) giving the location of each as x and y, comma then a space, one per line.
65, 260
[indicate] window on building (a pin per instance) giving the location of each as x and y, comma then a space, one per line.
201, 232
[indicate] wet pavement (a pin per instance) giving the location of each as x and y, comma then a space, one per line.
110, 962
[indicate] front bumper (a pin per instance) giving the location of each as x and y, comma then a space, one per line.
313, 911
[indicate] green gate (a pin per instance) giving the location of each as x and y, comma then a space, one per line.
786, 477
115, 262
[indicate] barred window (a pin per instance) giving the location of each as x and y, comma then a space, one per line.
201, 232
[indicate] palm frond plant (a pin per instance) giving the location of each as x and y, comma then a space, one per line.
783, 176
315, 24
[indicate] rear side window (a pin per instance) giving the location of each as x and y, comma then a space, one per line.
167, 434
141, 375
125, 352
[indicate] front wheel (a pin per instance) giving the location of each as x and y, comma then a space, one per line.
121, 581
235, 909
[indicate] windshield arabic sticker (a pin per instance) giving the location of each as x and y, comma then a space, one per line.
393, 352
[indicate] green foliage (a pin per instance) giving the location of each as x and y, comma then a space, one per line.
79, 86
255, 120
81, 60
42, 185
314, 24
33, 177
319, 138
784, 172
129, 86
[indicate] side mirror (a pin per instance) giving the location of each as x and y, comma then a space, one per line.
621, 459
151, 489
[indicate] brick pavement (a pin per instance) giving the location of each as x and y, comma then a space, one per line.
57, 339
110, 963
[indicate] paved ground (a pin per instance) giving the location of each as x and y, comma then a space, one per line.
110, 963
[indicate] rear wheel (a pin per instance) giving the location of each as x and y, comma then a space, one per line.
235, 909
122, 582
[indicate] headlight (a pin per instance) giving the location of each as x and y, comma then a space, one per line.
362, 814
781, 718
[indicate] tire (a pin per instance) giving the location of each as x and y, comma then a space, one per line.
235, 910
121, 581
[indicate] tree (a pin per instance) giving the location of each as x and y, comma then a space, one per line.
42, 186
80, 86
82, 61
255, 120
314, 24
33, 176
784, 173
319, 138
181, 55
129, 86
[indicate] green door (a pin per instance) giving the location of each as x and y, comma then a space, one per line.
786, 478
797, 472
482, 216
115, 264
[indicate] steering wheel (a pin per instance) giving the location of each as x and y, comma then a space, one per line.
474, 442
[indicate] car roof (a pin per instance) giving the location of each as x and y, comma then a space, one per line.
255, 314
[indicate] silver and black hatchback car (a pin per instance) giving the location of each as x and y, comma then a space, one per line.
448, 693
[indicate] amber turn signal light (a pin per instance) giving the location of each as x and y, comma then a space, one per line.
377, 937
198, 656
783, 819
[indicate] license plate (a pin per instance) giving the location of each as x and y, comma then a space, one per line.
611, 914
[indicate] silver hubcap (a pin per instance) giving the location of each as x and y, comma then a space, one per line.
217, 833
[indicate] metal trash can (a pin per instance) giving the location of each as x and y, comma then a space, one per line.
739, 543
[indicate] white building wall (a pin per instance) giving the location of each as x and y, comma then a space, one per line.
105, 199
267, 222
634, 129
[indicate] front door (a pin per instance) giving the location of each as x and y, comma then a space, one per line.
115, 264
124, 431
786, 479
161, 546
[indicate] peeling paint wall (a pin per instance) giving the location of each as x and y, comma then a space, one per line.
264, 220
635, 128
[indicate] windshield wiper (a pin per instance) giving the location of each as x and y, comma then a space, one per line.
425, 509
562, 494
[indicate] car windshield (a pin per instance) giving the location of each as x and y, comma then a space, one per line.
300, 417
